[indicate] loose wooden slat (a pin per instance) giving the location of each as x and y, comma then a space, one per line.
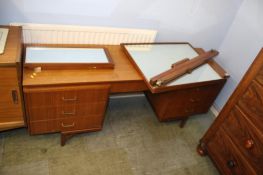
182, 67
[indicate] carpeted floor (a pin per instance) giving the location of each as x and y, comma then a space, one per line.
131, 142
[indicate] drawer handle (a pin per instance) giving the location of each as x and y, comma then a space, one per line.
249, 143
67, 126
14, 96
231, 164
68, 113
69, 99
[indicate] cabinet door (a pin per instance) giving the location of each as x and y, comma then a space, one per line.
11, 115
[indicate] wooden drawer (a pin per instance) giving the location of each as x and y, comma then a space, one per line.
252, 104
70, 124
74, 124
184, 110
66, 108
56, 96
181, 103
246, 138
64, 111
42, 127
226, 156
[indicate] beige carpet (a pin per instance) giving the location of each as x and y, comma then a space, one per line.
132, 142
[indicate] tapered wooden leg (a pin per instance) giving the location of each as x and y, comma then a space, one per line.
183, 122
64, 138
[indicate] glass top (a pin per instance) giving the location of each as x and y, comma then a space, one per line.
153, 59
65, 55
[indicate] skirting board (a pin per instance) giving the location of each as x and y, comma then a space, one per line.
214, 111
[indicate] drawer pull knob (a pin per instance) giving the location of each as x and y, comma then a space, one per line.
67, 126
68, 113
249, 143
69, 99
231, 164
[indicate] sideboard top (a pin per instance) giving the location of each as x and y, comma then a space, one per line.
13, 47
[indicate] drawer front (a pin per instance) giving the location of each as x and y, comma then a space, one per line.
182, 103
252, 104
42, 127
72, 124
184, 111
226, 157
197, 96
249, 141
67, 95
65, 111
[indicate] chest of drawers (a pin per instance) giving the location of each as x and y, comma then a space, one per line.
66, 109
235, 140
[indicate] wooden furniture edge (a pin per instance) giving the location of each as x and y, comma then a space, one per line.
11, 125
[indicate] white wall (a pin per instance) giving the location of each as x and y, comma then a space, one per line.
204, 23
241, 45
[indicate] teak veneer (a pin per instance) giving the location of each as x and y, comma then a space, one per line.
11, 103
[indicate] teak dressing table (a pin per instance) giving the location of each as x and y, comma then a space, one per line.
71, 101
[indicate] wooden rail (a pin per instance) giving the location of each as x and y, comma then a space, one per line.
182, 67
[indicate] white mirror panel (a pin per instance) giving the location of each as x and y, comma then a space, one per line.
65, 55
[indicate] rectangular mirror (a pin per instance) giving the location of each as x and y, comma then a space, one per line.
59, 58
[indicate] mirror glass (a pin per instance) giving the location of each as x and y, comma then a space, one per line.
153, 59
65, 55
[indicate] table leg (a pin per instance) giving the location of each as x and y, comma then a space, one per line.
183, 122
64, 138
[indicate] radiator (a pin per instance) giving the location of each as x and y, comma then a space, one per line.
68, 34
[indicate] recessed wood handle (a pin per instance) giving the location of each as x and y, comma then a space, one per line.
14, 96
67, 126
249, 143
231, 164
69, 99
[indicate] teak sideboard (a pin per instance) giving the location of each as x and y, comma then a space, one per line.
11, 102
